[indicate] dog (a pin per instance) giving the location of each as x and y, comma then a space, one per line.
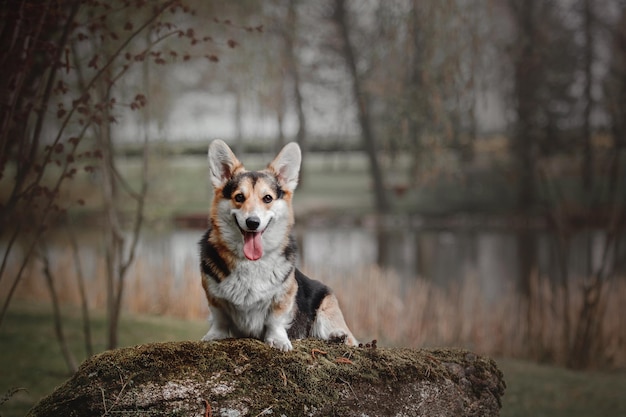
248, 257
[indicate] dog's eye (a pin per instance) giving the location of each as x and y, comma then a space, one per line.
268, 199
239, 198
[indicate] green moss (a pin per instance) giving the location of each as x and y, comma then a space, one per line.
313, 376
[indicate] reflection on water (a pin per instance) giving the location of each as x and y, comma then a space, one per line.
490, 258
440, 257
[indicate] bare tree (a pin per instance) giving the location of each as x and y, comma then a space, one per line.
526, 73
69, 88
82, 290
586, 333
70, 360
120, 246
290, 38
596, 208
27, 86
342, 19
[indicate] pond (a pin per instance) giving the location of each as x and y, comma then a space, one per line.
489, 256
442, 256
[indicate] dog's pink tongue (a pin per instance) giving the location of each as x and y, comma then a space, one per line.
252, 245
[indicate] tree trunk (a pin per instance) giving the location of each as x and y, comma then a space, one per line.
417, 109
84, 302
526, 62
363, 112
292, 70
238, 122
69, 358
588, 97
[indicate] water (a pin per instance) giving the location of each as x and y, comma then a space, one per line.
490, 257
444, 257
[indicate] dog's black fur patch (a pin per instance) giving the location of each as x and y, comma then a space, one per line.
291, 249
309, 297
211, 263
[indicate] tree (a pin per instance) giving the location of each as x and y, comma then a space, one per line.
586, 334
543, 62
34, 38
65, 63
342, 19
554, 101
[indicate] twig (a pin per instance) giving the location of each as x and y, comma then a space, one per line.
266, 411
118, 397
351, 389
208, 412
314, 351
10, 393
104, 402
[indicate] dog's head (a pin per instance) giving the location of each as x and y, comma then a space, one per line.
252, 209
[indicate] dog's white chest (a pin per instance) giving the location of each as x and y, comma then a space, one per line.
250, 290
253, 282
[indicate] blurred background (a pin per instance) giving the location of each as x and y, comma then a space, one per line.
463, 180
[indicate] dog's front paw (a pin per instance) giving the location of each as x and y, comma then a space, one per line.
215, 334
338, 337
282, 344
341, 337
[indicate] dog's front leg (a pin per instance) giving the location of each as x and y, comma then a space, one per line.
219, 325
277, 338
276, 331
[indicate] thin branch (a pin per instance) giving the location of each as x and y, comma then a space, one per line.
82, 290
70, 361
8, 249
18, 276
41, 228
139, 211
22, 74
95, 78
8, 118
52, 76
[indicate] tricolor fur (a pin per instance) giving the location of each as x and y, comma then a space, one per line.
248, 257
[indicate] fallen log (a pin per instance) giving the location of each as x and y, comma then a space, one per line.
245, 377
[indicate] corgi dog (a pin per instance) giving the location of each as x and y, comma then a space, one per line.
248, 257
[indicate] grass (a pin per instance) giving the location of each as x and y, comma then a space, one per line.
331, 183
539, 390
181, 185
30, 358
335, 182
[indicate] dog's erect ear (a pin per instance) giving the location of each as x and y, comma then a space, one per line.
286, 166
222, 163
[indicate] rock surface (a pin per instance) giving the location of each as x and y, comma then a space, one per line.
245, 377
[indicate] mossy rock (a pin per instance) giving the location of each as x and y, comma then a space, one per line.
244, 377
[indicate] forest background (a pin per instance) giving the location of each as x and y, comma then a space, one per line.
443, 118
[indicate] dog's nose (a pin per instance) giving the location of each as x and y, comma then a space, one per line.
253, 222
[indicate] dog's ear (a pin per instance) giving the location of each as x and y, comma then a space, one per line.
222, 163
286, 166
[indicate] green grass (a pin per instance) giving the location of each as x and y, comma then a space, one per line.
332, 183
180, 185
30, 358
540, 390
